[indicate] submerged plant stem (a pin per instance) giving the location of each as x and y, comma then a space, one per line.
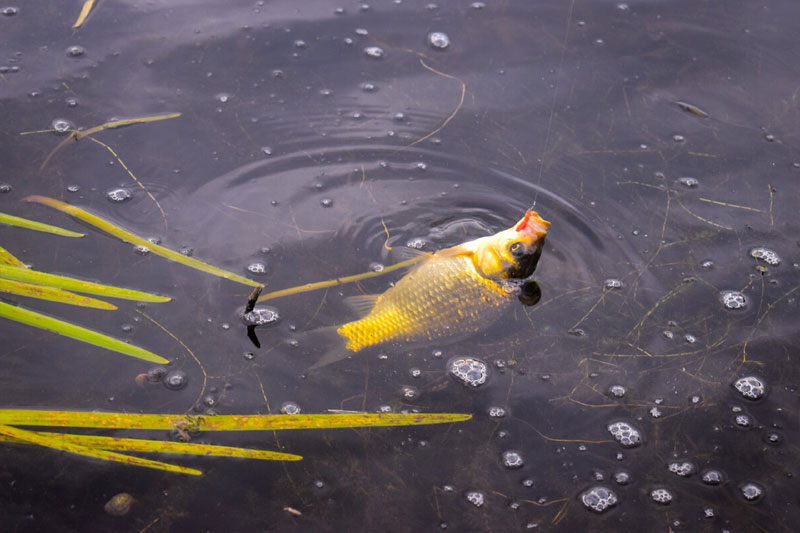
338, 281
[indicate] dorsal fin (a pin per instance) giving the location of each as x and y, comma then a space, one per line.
361, 304
405, 252
453, 251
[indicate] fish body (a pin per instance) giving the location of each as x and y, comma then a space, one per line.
456, 291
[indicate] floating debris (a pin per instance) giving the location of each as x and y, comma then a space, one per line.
750, 387
598, 498
627, 435
469, 371
617, 391
690, 108
119, 504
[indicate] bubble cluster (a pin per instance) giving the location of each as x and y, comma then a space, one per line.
470, 371
409, 393
688, 182
118, 195
61, 125
512, 459
257, 268
662, 496
766, 255
438, 40
742, 421
733, 299
497, 412
750, 387
375, 52
475, 497
751, 491
712, 477
622, 478
617, 391
5, 187
682, 469
262, 316
625, 434
598, 498
176, 380
290, 408
612, 283
76, 51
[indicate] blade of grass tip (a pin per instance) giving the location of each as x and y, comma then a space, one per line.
6, 258
57, 443
83, 419
38, 320
121, 444
128, 237
72, 284
52, 294
87, 7
11, 220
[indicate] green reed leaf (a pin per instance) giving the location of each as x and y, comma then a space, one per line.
72, 284
38, 320
76, 419
53, 294
6, 258
124, 235
12, 220
57, 443
157, 446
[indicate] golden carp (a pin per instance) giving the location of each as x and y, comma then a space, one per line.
455, 291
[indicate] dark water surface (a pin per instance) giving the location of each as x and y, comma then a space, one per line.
292, 147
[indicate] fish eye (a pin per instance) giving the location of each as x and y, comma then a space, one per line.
515, 248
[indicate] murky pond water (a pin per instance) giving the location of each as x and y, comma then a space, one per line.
659, 138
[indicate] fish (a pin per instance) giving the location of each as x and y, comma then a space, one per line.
453, 292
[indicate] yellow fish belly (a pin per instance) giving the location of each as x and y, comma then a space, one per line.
442, 297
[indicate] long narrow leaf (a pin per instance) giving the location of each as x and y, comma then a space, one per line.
11, 220
87, 7
76, 419
126, 236
55, 325
7, 259
72, 284
51, 293
60, 444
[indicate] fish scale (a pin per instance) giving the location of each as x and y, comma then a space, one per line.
442, 297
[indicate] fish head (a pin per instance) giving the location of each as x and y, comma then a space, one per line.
512, 253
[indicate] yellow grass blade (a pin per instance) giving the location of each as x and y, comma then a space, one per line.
126, 236
87, 7
76, 419
338, 281
51, 293
38, 320
72, 284
158, 446
123, 122
11, 220
6, 258
57, 443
